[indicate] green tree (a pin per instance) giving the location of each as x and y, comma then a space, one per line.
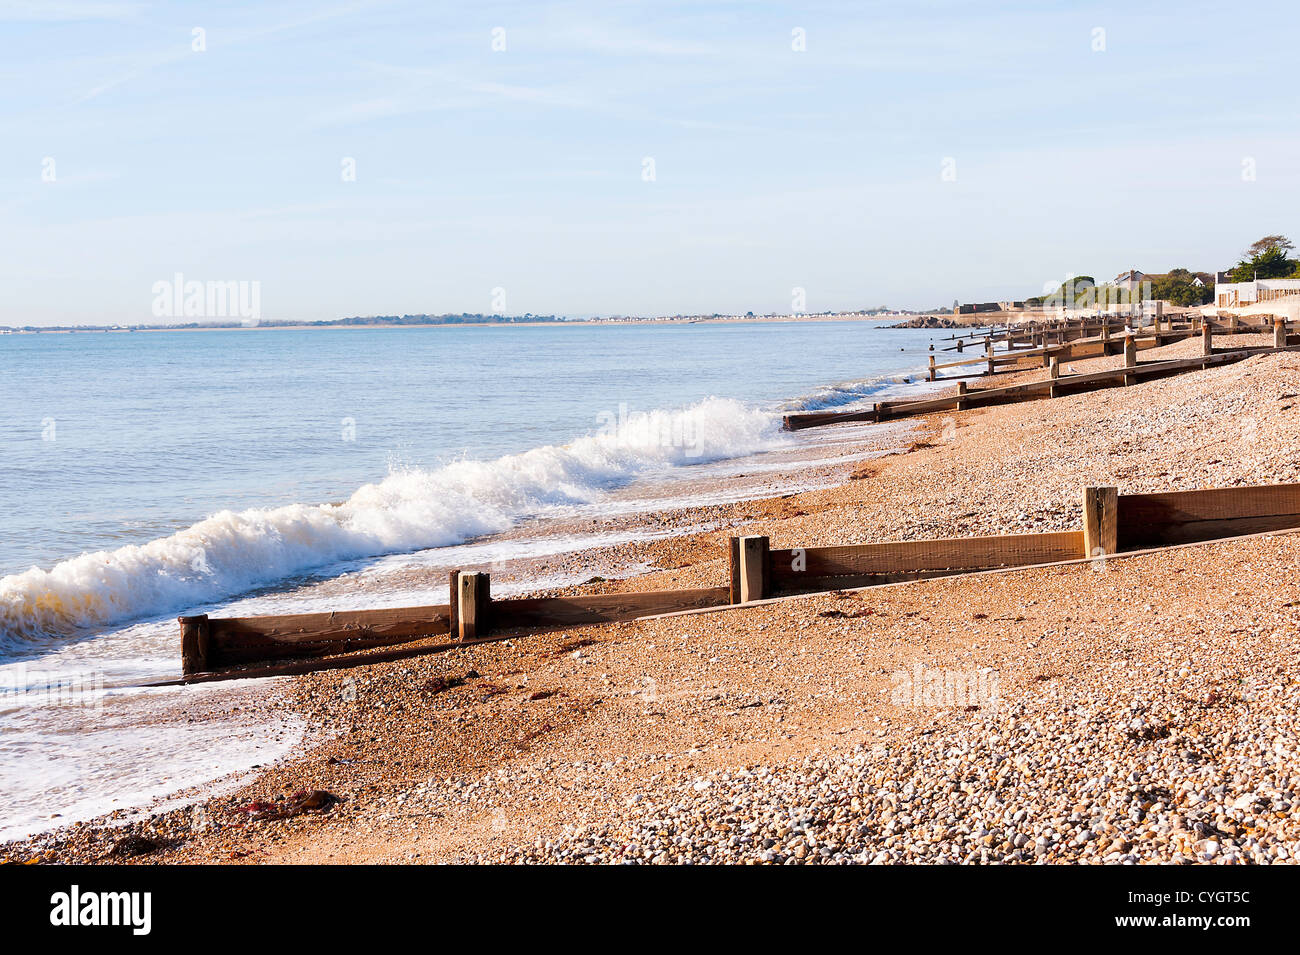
1266, 259
1075, 291
1176, 286
1260, 246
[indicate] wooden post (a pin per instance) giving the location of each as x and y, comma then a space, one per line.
473, 605
1105, 336
931, 368
196, 644
988, 351
961, 345
1279, 332
1207, 340
1130, 356
1100, 521
733, 567
961, 390
753, 568
1054, 372
453, 591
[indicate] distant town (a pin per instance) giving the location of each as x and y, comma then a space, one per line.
466, 318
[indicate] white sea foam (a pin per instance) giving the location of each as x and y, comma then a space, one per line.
851, 392
411, 509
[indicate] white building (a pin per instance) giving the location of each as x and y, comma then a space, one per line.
1130, 280
1233, 294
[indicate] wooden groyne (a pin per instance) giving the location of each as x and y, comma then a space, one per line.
1058, 384
226, 648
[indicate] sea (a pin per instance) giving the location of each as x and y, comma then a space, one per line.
231, 472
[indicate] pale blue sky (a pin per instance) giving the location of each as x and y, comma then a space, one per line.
522, 169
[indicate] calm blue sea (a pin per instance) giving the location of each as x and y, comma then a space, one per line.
193, 465
154, 473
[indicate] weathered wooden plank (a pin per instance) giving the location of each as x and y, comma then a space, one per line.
733, 569
923, 406
1076, 349
801, 566
1100, 517
887, 411
235, 640
473, 605
601, 608
813, 419
1180, 517
453, 605
340, 662
847, 581
753, 568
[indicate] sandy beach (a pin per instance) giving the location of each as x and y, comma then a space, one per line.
1142, 709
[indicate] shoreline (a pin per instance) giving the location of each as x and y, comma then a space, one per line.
536, 553
557, 743
576, 322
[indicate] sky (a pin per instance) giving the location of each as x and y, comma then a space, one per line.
628, 158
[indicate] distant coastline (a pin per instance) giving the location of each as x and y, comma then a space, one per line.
453, 321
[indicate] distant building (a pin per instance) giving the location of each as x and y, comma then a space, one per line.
1233, 294
1197, 282
1130, 280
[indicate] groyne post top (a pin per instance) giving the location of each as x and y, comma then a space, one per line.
753, 568
1100, 521
196, 644
473, 605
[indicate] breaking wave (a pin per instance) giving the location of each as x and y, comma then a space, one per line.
852, 392
232, 552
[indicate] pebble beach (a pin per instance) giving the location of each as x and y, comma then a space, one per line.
1134, 710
